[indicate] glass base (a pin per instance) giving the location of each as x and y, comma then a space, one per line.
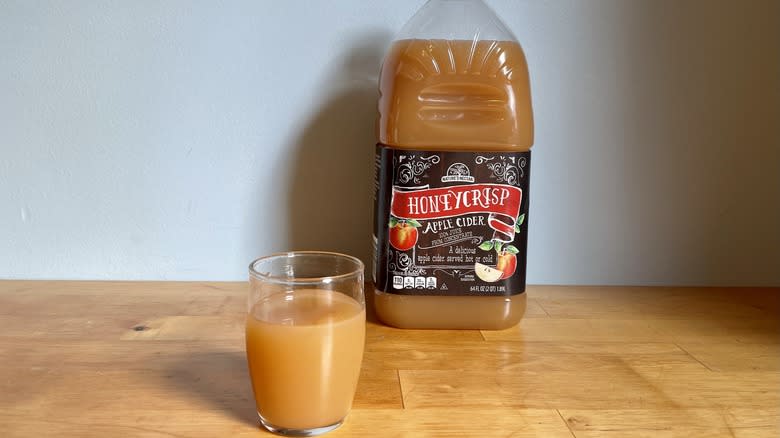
299, 432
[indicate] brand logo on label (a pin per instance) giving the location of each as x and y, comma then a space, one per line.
458, 172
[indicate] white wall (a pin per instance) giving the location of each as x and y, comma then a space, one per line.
179, 139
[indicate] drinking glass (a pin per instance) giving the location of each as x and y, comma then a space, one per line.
305, 332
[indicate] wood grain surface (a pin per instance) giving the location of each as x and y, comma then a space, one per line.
166, 359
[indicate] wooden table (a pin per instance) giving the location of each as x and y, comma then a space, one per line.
167, 359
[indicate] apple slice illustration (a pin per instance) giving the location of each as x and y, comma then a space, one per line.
486, 273
507, 259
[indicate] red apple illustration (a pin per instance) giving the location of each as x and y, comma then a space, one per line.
403, 233
507, 263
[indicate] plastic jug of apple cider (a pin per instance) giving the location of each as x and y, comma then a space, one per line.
452, 168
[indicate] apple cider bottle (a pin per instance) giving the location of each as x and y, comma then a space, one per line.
455, 131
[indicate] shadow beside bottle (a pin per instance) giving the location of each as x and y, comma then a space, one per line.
330, 198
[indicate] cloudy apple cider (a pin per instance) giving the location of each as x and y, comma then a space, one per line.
452, 171
305, 333
304, 350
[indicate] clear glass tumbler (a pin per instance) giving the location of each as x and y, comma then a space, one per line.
305, 333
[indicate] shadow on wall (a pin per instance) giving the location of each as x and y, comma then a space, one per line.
330, 200
702, 103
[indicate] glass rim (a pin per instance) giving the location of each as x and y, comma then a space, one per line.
276, 279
